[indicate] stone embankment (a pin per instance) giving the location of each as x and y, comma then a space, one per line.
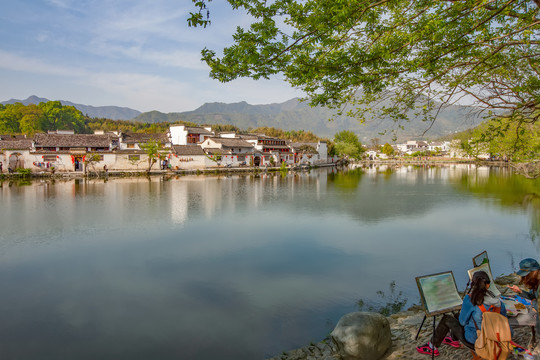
156, 172
404, 327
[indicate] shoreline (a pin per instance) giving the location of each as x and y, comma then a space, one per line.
243, 170
404, 327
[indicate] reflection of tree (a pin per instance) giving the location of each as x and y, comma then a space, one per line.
388, 304
511, 190
346, 180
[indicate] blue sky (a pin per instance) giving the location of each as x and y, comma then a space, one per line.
133, 53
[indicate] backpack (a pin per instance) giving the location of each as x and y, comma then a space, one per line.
494, 337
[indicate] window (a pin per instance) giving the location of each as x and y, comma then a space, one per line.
241, 158
49, 158
134, 157
131, 146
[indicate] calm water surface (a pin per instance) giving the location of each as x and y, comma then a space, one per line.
239, 267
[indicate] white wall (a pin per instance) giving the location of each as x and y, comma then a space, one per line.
191, 162
178, 135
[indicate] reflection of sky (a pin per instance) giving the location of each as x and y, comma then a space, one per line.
237, 267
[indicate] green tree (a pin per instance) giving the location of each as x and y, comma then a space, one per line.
155, 152
348, 145
33, 120
388, 150
415, 54
10, 116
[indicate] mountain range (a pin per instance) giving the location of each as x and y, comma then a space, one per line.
291, 115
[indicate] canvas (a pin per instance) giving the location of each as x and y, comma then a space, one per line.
485, 267
480, 259
438, 293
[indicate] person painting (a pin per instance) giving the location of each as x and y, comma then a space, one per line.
463, 328
529, 270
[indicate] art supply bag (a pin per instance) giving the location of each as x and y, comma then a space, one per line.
494, 337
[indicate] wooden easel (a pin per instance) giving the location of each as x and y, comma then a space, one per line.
445, 299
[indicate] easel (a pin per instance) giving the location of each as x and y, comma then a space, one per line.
439, 295
477, 261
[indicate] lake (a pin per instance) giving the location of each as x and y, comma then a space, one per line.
240, 266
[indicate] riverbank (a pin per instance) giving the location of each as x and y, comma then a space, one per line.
404, 327
139, 173
244, 169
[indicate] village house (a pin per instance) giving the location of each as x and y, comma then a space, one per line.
133, 141
268, 150
439, 147
14, 149
314, 153
189, 135
189, 157
230, 151
183, 147
412, 146
66, 151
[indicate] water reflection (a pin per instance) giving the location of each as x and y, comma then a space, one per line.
510, 192
236, 267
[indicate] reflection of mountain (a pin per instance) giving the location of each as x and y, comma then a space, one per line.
510, 191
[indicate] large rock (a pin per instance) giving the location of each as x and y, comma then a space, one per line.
362, 336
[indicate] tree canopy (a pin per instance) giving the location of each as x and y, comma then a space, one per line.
29, 119
346, 144
418, 55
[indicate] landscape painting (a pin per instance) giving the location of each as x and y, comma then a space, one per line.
485, 267
438, 293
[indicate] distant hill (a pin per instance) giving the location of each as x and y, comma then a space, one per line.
297, 115
108, 112
289, 115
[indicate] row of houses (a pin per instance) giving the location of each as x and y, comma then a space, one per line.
182, 147
441, 148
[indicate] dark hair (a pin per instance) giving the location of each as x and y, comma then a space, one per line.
531, 280
479, 289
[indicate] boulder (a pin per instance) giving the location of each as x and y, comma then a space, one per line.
362, 336
512, 279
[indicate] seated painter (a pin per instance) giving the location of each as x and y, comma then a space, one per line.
453, 329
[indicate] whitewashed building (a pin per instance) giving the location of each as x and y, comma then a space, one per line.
189, 135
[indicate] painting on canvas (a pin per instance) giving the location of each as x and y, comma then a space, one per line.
485, 267
438, 293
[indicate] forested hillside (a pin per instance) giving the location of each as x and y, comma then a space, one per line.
294, 115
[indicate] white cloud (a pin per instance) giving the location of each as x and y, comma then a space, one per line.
14, 62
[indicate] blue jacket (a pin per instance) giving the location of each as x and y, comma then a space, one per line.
470, 314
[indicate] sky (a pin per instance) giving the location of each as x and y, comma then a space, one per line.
133, 53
